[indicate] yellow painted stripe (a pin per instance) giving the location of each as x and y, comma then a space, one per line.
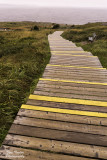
64, 46
56, 80
73, 55
70, 43
67, 100
70, 51
55, 39
73, 66
65, 111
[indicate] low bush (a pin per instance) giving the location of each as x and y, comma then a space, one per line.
56, 26
79, 34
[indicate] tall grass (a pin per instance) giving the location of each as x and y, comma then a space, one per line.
23, 57
80, 33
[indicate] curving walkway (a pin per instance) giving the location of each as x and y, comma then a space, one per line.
66, 116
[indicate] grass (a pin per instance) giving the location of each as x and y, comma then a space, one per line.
23, 57
80, 33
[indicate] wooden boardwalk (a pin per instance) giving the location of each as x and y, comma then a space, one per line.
66, 117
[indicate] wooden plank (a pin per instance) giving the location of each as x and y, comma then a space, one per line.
64, 46
71, 76
70, 73
76, 70
79, 72
52, 134
67, 54
79, 88
74, 76
74, 53
65, 111
76, 67
80, 75
75, 59
66, 49
67, 89
69, 81
67, 100
66, 126
71, 84
57, 146
66, 106
28, 154
72, 57
63, 117
70, 95
77, 63
70, 52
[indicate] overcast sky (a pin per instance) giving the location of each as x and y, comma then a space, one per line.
58, 3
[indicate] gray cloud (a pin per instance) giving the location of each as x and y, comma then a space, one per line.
59, 3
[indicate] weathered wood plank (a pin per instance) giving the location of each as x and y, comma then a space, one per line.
65, 47
71, 95
77, 64
66, 126
28, 154
62, 117
76, 72
73, 84
74, 88
76, 69
57, 146
67, 106
80, 72
52, 134
74, 76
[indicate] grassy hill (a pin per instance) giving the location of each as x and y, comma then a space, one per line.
23, 57
80, 33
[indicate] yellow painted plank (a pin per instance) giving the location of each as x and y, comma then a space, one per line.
72, 55
60, 40
68, 100
65, 111
64, 46
70, 51
73, 66
67, 81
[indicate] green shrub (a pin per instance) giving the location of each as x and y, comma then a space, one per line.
56, 26
36, 28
